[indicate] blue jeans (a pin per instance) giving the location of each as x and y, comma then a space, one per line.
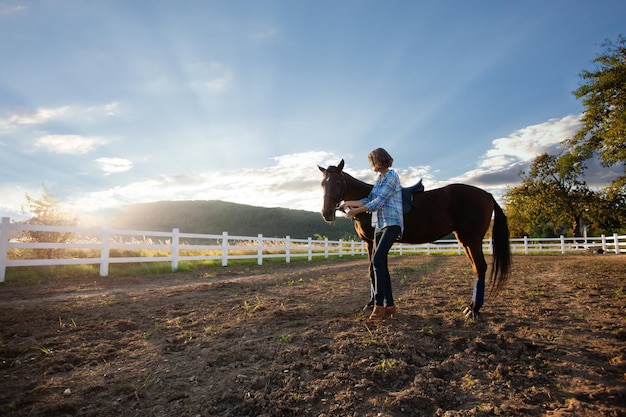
383, 241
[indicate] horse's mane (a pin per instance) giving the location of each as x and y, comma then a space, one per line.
357, 181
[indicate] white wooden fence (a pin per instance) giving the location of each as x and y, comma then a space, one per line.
174, 247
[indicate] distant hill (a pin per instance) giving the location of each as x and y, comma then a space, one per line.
215, 217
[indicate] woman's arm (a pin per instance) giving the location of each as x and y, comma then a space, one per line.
351, 204
354, 207
388, 186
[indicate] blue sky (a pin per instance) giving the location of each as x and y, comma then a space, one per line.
116, 102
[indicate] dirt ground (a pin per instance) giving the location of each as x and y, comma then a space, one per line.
291, 340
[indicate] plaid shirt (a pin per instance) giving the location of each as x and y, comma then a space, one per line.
386, 199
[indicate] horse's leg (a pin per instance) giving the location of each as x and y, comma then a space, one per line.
363, 228
474, 252
370, 252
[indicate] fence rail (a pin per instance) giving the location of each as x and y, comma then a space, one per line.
106, 246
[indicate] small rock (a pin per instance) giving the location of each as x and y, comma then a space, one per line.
67, 392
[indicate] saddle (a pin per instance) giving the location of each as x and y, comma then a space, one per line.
407, 196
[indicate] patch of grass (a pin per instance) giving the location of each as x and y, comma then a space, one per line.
37, 275
25, 276
149, 334
468, 381
427, 330
372, 339
387, 364
149, 380
285, 338
174, 323
251, 307
10, 406
63, 324
145, 268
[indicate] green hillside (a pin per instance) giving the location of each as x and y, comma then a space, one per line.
215, 217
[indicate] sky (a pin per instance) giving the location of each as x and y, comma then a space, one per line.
109, 103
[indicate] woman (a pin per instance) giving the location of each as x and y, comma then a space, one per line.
385, 204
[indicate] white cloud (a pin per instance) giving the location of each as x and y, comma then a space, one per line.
304, 159
108, 109
265, 34
292, 182
40, 115
214, 85
68, 144
501, 164
525, 144
112, 165
12, 198
212, 76
6, 9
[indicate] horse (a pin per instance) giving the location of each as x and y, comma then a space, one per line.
461, 209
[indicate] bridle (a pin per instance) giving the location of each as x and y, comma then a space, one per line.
341, 192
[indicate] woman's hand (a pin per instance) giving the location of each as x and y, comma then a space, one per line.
350, 204
353, 208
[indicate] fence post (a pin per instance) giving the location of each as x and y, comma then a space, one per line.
175, 242
4, 246
310, 248
260, 249
562, 244
287, 249
224, 248
526, 245
105, 251
326, 248
340, 248
616, 239
603, 240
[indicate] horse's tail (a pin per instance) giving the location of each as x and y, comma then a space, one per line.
501, 267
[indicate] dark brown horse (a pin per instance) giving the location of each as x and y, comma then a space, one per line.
457, 208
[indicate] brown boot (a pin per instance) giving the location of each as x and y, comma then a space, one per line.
390, 312
378, 313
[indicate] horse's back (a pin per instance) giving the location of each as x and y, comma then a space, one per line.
454, 197
458, 208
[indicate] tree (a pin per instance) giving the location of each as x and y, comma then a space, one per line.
608, 213
47, 211
553, 196
552, 199
603, 94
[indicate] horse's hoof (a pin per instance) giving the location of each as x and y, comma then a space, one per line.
470, 313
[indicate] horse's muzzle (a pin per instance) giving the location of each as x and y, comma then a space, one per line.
328, 215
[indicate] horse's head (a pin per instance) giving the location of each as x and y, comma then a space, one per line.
334, 185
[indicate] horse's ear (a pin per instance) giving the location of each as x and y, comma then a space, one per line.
322, 169
340, 166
